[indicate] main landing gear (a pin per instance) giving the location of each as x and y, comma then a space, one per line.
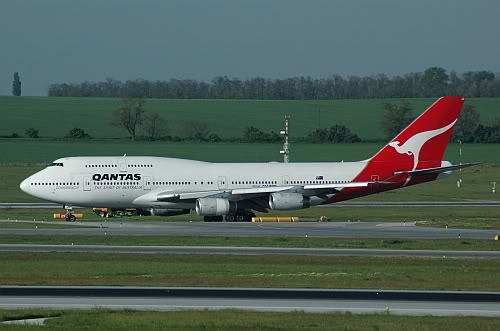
213, 218
241, 215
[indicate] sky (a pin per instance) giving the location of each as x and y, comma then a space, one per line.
70, 41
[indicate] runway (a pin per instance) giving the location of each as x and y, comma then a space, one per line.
350, 204
108, 249
358, 230
309, 300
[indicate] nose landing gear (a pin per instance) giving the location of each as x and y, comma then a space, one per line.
70, 217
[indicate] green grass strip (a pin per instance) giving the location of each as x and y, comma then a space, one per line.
302, 242
243, 320
19, 268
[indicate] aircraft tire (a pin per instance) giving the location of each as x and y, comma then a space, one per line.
213, 219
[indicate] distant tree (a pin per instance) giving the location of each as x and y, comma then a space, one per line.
319, 136
342, 134
467, 124
272, 137
496, 124
214, 138
396, 117
175, 139
196, 130
77, 133
154, 126
252, 134
16, 85
487, 133
130, 115
434, 82
496, 130
31, 133
335, 134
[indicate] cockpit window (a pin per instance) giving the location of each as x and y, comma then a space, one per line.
56, 164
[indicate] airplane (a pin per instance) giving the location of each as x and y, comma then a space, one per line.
170, 186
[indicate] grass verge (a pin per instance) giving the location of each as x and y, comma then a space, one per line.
454, 217
243, 320
297, 242
20, 268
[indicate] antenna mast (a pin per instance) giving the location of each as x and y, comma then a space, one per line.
286, 145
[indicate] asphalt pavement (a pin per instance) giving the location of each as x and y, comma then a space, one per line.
358, 230
310, 300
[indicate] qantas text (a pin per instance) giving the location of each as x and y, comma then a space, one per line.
99, 177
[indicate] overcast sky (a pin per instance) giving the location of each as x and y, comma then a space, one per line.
55, 41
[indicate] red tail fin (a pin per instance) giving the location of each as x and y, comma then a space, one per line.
420, 146
423, 143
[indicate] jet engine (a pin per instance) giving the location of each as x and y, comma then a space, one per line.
214, 207
168, 212
288, 201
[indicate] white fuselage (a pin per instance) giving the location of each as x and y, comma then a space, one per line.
120, 182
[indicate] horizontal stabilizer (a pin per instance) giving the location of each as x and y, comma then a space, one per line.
436, 170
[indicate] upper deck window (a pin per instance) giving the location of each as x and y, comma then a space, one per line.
56, 164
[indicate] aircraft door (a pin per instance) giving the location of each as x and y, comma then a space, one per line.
222, 182
285, 180
375, 179
86, 183
147, 183
122, 164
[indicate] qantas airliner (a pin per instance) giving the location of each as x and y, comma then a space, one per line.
171, 186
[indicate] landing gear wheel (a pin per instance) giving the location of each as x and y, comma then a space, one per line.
213, 219
70, 218
240, 216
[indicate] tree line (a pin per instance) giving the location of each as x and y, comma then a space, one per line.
433, 82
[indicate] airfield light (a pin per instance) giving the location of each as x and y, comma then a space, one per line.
286, 145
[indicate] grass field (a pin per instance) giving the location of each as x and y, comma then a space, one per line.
293, 242
55, 116
248, 271
230, 320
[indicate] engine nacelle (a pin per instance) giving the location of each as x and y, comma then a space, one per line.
288, 201
214, 207
168, 212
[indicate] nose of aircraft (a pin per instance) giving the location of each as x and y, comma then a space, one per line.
24, 185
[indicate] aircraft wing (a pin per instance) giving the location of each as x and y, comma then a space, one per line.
249, 193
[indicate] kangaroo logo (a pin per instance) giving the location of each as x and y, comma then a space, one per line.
413, 145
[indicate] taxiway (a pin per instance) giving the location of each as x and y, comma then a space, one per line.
309, 300
359, 230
